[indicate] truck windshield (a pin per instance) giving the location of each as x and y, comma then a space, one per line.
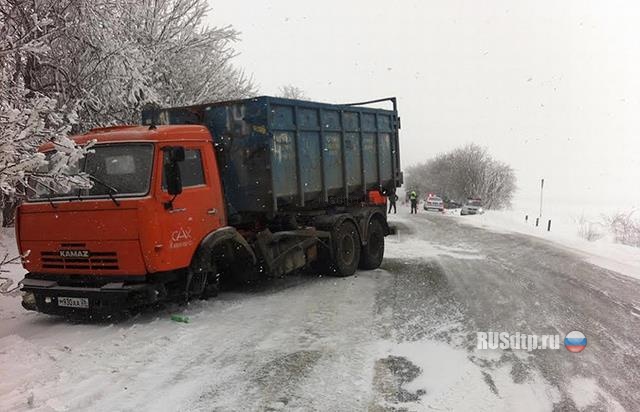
124, 169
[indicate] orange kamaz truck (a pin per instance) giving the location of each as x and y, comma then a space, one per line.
223, 192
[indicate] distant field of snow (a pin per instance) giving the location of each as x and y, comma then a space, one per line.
564, 230
564, 218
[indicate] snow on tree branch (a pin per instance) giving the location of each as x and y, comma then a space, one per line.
468, 171
70, 65
292, 92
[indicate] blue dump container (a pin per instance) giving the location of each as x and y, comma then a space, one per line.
279, 155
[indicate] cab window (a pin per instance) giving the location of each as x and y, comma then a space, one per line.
191, 169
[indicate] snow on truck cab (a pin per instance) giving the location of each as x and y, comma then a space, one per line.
198, 195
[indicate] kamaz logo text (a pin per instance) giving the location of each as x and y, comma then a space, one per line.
84, 254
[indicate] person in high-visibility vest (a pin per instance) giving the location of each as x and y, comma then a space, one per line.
413, 197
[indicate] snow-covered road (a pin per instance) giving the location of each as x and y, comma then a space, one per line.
403, 336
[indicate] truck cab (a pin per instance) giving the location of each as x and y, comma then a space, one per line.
127, 226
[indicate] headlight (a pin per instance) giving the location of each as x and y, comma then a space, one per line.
480, 210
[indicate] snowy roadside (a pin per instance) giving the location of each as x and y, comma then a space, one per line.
388, 339
488, 379
455, 375
604, 253
313, 346
10, 307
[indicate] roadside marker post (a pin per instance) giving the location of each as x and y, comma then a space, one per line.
541, 189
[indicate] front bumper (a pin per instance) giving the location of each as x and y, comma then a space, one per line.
110, 298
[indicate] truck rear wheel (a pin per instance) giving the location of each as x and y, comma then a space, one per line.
373, 251
346, 249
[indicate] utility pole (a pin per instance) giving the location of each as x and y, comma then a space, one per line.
541, 188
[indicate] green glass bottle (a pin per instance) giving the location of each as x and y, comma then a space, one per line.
180, 318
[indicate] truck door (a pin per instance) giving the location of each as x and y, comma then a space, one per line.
198, 210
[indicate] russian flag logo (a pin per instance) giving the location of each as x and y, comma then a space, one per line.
575, 341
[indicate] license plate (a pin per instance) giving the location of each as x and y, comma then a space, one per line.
73, 302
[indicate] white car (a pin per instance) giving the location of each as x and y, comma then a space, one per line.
472, 207
434, 203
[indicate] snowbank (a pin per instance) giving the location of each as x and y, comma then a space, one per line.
10, 307
564, 231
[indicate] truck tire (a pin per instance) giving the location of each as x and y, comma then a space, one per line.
373, 251
346, 249
212, 285
195, 285
205, 284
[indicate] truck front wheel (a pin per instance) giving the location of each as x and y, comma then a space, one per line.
373, 251
346, 249
212, 285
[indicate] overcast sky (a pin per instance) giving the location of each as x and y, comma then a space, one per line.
550, 87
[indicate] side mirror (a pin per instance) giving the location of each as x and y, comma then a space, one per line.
176, 153
173, 156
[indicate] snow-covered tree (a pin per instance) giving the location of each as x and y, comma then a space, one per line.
463, 172
69, 65
292, 92
120, 55
29, 117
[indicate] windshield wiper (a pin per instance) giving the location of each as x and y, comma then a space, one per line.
110, 189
